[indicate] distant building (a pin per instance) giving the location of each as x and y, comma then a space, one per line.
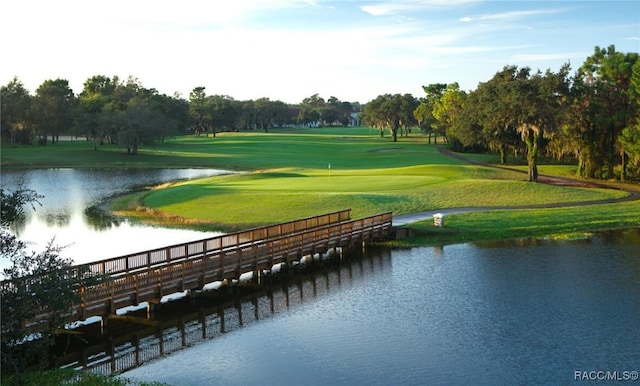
354, 119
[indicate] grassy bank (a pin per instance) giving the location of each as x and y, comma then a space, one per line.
546, 223
294, 174
266, 197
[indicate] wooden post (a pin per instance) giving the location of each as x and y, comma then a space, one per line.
203, 321
203, 271
159, 286
222, 273
136, 295
221, 316
136, 344
83, 303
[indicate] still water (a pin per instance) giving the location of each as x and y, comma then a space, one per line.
69, 211
531, 313
528, 313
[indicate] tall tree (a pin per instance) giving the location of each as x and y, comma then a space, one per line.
263, 113
539, 103
98, 92
489, 114
423, 114
390, 112
223, 112
311, 110
177, 109
199, 110
141, 122
515, 101
448, 111
54, 106
606, 76
15, 111
630, 136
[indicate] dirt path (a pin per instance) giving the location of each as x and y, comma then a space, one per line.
634, 193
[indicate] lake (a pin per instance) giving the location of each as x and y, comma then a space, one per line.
543, 312
70, 210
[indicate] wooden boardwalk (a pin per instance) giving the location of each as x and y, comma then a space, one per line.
148, 276
130, 348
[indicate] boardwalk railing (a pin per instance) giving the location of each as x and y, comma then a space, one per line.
150, 275
143, 260
120, 353
153, 283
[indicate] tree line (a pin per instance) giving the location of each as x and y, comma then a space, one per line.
590, 116
123, 112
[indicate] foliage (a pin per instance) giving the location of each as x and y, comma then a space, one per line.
602, 109
127, 114
217, 113
314, 110
630, 135
34, 284
424, 112
12, 204
70, 377
514, 102
198, 110
448, 111
390, 112
591, 117
54, 104
16, 112
293, 180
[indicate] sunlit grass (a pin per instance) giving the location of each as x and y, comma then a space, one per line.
343, 148
294, 173
261, 198
550, 223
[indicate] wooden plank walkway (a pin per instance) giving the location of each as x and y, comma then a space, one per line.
131, 348
123, 265
148, 276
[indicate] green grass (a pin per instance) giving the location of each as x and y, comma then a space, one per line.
551, 223
262, 198
70, 377
344, 148
288, 177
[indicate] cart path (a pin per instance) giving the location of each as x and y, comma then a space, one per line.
634, 194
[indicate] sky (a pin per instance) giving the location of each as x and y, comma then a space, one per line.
288, 50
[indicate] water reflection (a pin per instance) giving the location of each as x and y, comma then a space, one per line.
462, 314
129, 342
71, 210
99, 220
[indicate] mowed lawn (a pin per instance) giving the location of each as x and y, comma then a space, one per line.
295, 174
289, 174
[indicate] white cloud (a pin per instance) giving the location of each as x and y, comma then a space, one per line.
515, 15
394, 7
526, 58
253, 48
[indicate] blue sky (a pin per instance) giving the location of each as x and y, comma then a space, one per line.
287, 50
